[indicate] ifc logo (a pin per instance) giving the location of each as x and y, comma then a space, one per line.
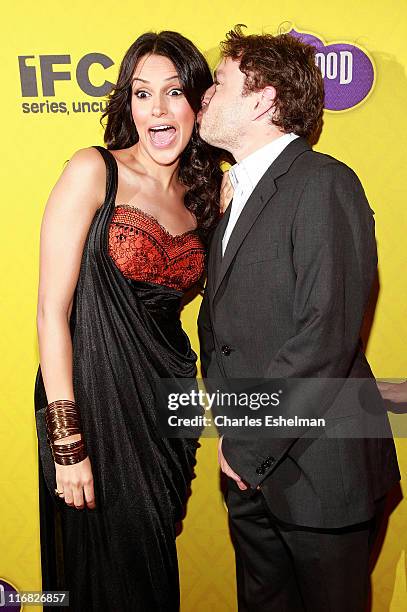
48, 75
347, 69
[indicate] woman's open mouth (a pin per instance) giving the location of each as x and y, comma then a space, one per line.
162, 135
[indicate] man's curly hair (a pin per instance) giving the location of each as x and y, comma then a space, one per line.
288, 65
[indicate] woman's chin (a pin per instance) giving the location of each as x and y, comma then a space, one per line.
165, 157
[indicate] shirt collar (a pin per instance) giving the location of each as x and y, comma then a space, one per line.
250, 170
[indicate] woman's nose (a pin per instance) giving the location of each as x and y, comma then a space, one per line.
159, 107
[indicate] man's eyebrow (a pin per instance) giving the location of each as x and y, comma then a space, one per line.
144, 80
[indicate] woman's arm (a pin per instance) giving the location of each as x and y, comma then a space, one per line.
69, 211
394, 392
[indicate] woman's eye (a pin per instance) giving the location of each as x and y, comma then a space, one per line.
141, 94
178, 92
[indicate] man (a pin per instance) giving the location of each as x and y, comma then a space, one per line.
290, 270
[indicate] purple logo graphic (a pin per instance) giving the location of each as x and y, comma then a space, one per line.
347, 70
8, 597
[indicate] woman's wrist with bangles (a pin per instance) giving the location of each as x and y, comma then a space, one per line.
63, 420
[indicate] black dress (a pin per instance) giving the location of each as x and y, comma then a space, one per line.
126, 334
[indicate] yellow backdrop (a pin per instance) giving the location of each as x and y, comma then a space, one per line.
37, 140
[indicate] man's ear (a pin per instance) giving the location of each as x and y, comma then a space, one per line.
264, 103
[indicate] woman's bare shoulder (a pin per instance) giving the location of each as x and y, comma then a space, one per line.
88, 161
87, 167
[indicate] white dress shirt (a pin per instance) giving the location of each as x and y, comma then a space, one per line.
245, 175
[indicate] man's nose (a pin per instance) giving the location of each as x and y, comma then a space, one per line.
206, 98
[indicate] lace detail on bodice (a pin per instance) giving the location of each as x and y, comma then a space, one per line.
145, 250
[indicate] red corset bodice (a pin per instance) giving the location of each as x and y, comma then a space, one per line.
144, 250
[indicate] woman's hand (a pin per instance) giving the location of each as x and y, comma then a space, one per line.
394, 392
226, 192
226, 469
75, 481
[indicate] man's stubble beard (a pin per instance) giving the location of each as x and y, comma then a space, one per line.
219, 130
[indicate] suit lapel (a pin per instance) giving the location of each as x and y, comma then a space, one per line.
261, 195
215, 259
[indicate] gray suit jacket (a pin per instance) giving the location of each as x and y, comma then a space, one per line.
287, 300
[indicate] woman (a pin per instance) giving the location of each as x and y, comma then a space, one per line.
394, 392
122, 239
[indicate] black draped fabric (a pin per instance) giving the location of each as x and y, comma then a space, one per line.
126, 335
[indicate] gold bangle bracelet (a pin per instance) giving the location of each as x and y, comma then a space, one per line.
62, 420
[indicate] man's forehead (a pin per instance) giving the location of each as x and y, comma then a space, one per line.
219, 69
226, 65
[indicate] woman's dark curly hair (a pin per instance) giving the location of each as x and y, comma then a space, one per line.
199, 163
289, 66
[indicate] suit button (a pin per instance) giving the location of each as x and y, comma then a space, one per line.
226, 350
260, 470
269, 461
